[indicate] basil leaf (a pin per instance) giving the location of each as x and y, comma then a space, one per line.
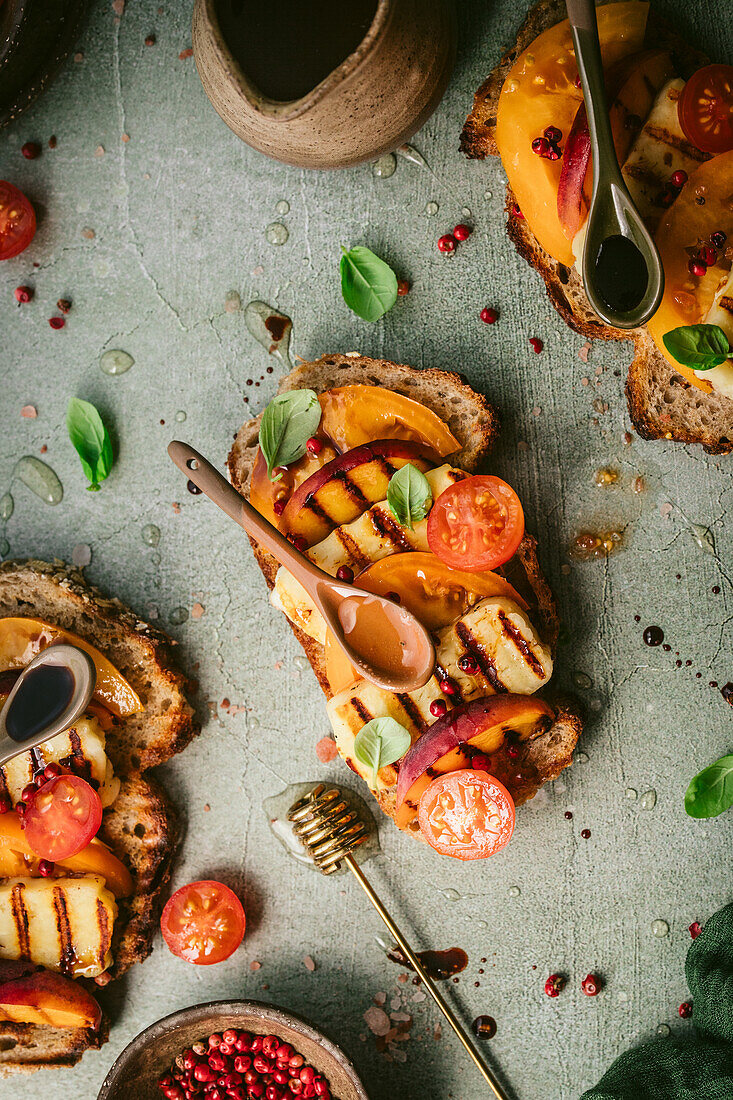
368, 284
90, 439
381, 742
287, 424
711, 791
699, 346
409, 495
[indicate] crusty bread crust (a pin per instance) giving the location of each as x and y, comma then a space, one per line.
476, 428
140, 826
662, 404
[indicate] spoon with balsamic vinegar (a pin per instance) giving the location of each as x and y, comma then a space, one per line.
622, 270
50, 694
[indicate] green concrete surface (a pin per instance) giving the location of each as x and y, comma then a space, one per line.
178, 215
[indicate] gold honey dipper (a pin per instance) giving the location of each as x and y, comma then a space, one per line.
330, 828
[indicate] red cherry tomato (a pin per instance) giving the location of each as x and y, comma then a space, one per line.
17, 221
62, 817
706, 109
467, 814
477, 524
203, 922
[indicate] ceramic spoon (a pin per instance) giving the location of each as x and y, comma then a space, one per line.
384, 642
50, 694
622, 270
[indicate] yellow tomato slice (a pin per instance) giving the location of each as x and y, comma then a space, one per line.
432, 591
17, 859
540, 91
340, 672
358, 414
687, 225
22, 639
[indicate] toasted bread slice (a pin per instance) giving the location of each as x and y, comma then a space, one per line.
140, 826
474, 423
662, 404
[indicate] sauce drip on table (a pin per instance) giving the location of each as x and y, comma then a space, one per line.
439, 964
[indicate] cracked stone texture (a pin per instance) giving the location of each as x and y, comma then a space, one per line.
179, 215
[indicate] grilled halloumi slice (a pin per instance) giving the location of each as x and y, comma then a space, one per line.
660, 149
721, 314
82, 747
374, 535
64, 924
503, 642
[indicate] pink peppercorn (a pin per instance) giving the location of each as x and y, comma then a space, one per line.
685, 1010
489, 316
31, 150
23, 294
537, 344
695, 929
447, 243
462, 232
57, 322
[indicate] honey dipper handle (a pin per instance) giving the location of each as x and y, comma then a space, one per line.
427, 981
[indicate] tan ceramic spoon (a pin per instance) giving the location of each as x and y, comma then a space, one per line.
384, 642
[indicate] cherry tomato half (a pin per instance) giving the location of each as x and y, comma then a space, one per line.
63, 816
203, 922
477, 524
706, 109
467, 814
17, 221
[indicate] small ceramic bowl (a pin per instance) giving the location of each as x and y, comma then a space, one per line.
135, 1074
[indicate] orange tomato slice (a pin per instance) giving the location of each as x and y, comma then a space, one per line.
436, 594
687, 298
467, 815
17, 859
358, 414
539, 91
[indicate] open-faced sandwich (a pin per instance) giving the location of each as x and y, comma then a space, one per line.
368, 467
70, 924
672, 119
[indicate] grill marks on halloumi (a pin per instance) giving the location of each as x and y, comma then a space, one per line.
64, 924
82, 747
375, 534
496, 631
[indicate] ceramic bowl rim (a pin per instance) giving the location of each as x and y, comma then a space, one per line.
283, 110
269, 1013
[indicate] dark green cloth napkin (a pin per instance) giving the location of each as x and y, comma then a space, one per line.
699, 1067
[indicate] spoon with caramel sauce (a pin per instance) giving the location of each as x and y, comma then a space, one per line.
384, 642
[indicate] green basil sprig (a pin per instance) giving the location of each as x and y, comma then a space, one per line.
287, 424
381, 742
368, 284
409, 495
91, 441
711, 791
701, 347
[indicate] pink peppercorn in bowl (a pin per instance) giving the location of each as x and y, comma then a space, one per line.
149, 1057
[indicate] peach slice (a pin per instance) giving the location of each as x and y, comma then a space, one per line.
479, 726
265, 495
48, 999
22, 639
346, 486
17, 859
357, 414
